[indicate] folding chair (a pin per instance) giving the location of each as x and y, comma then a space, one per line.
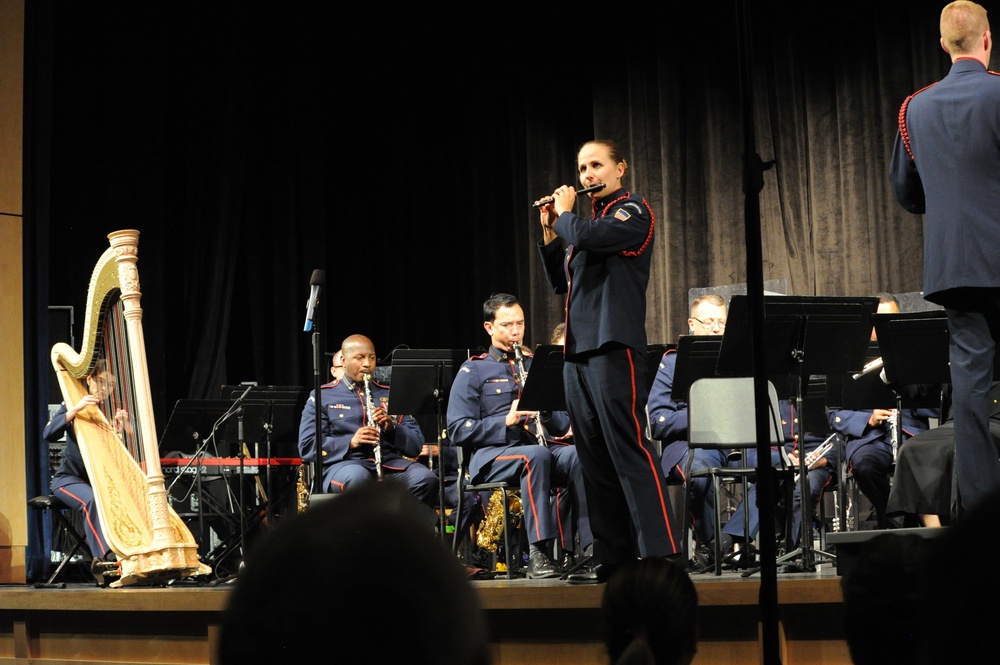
503, 487
61, 524
722, 416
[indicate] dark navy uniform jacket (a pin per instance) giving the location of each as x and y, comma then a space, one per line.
853, 425
72, 468
343, 414
605, 283
959, 196
479, 401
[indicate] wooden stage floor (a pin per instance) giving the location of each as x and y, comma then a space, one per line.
531, 621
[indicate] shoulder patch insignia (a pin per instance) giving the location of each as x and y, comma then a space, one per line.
622, 215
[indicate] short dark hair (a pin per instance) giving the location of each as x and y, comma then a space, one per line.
886, 297
495, 302
651, 606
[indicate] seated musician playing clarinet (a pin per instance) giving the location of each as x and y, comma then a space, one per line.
361, 441
869, 437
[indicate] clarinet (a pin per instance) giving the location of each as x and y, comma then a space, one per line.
522, 375
892, 425
370, 421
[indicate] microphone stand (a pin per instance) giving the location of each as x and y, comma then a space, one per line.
439, 406
242, 456
235, 409
200, 451
318, 406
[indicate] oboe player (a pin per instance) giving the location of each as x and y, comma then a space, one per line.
483, 416
348, 447
869, 437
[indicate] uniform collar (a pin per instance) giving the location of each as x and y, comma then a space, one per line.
499, 355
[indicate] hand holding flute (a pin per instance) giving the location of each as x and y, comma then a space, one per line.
563, 199
565, 193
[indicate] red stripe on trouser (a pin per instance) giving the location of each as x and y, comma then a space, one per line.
90, 524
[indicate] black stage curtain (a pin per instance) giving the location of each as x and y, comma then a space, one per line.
252, 147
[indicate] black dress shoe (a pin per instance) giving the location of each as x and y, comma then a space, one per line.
568, 561
540, 567
592, 574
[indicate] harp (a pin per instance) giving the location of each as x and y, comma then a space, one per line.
118, 439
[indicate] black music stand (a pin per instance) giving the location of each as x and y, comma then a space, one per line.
543, 389
192, 426
803, 336
697, 358
654, 354
904, 337
193, 431
272, 416
421, 381
915, 354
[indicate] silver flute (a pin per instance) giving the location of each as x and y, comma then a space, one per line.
370, 418
522, 375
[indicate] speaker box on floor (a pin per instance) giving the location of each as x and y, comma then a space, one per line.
850, 544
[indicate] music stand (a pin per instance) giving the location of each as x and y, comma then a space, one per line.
654, 354
905, 336
915, 351
421, 381
272, 415
193, 430
543, 389
803, 335
697, 358
191, 424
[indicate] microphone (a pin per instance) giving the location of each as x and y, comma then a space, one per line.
316, 282
595, 188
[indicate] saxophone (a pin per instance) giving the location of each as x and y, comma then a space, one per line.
370, 421
522, 376
491, 528
302, 490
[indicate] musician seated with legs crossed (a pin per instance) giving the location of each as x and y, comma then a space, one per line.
526, 449
361, 441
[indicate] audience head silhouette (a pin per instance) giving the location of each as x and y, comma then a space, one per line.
650, 614
884, 599
329, 580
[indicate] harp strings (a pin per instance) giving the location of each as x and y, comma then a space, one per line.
120, 404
